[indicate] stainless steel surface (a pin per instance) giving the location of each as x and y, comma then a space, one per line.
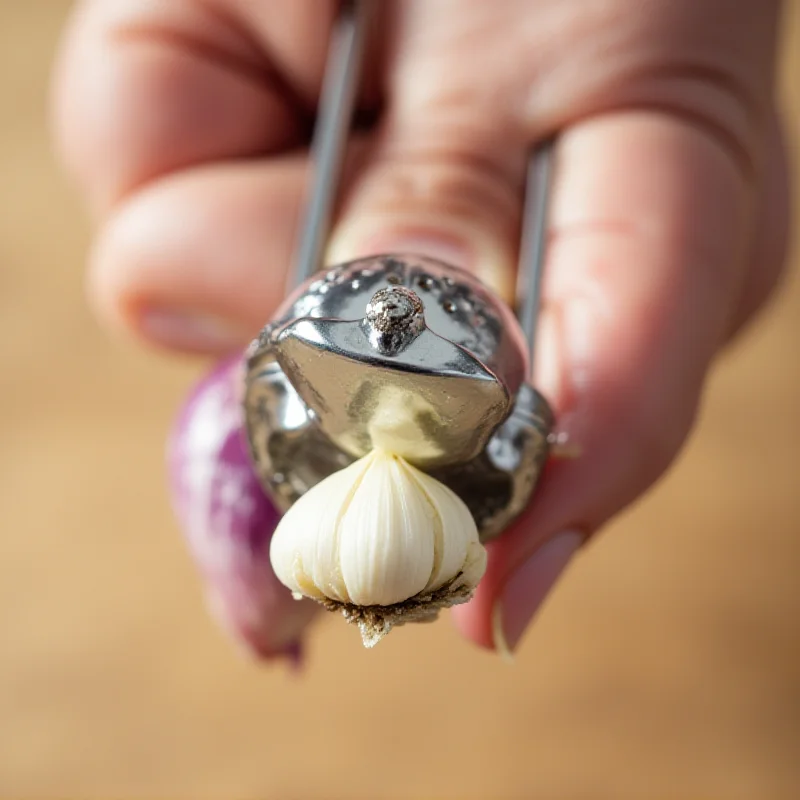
293, 454
497, 485
320, 394
458, 307
335, 115
432, 404
439, 399
289, 449
534, 240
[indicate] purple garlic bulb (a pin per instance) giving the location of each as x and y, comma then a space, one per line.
228, 520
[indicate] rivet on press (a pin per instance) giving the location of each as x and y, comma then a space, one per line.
394, 319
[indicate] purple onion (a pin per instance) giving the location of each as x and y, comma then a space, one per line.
228, 520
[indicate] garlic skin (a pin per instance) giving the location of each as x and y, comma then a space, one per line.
379, 533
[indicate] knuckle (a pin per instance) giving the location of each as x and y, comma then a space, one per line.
456, 181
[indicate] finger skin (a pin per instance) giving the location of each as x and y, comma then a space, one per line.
216, 239
142, 89
645, 270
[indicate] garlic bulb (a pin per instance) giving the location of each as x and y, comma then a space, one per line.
381, 541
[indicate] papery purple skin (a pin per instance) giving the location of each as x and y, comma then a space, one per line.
228, 520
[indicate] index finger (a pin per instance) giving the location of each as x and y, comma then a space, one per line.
145, 88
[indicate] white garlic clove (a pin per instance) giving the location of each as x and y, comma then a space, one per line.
380, 533
305, 556
386, 536
455, 552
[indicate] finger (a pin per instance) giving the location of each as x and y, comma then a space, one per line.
142, 89
197, 261
445, 176
458, 202
651, 224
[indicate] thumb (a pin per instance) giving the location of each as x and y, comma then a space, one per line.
438, 182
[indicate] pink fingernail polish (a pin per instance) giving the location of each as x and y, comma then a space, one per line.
528, 587
228, 520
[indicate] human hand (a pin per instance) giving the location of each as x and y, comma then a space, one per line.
185, 123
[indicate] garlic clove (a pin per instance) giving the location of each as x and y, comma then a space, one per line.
305, 547
381, 541
386, 545
456, 553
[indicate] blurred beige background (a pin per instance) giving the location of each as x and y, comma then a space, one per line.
667, 664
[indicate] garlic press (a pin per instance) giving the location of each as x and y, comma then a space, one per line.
398, 351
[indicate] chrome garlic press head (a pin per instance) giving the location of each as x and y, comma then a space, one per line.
397, 352
406, 354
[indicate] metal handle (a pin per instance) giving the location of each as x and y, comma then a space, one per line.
533, 246
329, 146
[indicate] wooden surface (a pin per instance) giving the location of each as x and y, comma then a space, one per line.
667, 664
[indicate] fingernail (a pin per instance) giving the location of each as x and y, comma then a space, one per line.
252, 640
527, 589
228, 520
188, 330
459, 249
